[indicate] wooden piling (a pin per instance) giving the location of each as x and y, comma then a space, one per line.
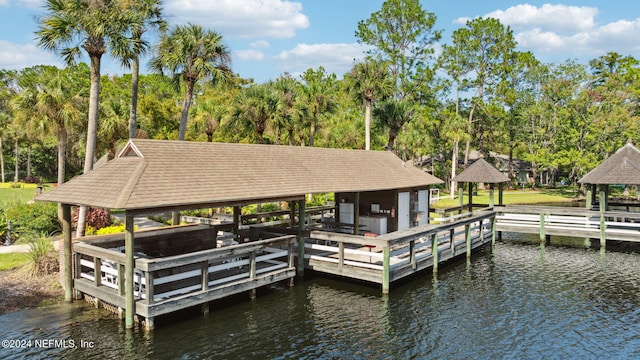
68, 264
130, 310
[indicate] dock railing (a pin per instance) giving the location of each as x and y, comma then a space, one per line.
164, 285
386, 258
569, 221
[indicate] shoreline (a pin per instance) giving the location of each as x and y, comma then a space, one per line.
21, 292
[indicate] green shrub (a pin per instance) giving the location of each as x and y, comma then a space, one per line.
113, 229
36, 218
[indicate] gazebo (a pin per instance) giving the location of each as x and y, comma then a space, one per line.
481, 172
621, 168
154, 175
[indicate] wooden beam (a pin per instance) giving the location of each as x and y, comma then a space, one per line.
491, 186
130, 310
386, 269
68, 264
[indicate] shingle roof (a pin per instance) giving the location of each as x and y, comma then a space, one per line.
621, 168
481, 171
151, 174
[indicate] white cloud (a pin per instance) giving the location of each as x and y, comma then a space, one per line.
260, 44
335, 58
249, 54
4, 2
241, 19
549, 17
18, 56
567, 31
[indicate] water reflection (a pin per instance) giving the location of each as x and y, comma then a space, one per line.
515, 300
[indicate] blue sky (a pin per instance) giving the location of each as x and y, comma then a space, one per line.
270, 37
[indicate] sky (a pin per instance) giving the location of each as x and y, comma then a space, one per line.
270, 37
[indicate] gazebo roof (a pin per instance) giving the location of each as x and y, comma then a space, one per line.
621, 168
157, 174
481, 171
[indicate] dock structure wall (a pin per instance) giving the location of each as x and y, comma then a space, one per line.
167, 284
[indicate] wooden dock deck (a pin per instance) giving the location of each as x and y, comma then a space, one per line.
391, 257
569, 221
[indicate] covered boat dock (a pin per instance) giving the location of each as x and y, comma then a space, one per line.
150, 273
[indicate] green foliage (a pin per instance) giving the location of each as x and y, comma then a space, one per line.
38, 218
42, 258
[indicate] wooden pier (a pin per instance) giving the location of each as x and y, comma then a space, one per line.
569, 221
391, 257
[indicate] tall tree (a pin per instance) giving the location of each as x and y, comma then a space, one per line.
51, 101
192, 54
483, 45
369, 81
146, 15
402, 34
95, 26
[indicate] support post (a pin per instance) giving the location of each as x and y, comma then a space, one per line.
301, 209
461, 197
500, 194
292, 213
470, 197
386, 269
491, 186
493, 231
434, 251
603, 224
542, 229
236, 222
467, 238
356, 215
68, 266
589, 198
130, 310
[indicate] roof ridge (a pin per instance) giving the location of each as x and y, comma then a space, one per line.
127, 190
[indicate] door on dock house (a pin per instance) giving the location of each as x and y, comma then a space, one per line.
404, 216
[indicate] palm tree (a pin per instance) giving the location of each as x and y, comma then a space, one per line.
70, 26
191, 54
318, 101
255, 107
50, 102
393, 115
370, 81
289, 110
146, 15
209, 116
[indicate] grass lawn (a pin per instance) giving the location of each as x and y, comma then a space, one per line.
12, 260
527, 197
23, 194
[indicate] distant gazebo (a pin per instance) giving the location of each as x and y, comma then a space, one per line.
482, 172
621, 168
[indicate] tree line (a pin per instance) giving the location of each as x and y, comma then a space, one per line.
475, 93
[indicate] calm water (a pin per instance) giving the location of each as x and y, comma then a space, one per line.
521, 301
